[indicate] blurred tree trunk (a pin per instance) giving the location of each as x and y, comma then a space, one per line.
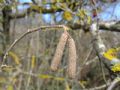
6, 24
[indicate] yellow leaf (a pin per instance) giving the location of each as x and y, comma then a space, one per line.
33, 61
10, 87
45, 76
82, 83
89, 20
67, 16
110, 54
15, 57
116, 67
67, 87
35, 8
82, 13
59, 78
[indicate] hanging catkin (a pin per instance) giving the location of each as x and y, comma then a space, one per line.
71, 58
59, 51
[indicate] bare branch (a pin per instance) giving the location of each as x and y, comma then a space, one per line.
28, 32
110, 26
99, 46
114, 83
99, 87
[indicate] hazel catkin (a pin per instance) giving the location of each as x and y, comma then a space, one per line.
72, 56
59, 51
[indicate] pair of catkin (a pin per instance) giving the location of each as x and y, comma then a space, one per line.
65, 37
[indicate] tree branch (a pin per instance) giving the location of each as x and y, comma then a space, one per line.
100, 48
114, 83
28, 32
109, 26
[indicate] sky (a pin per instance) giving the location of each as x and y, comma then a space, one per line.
22, 1
110, 13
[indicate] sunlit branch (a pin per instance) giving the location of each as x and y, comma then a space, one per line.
100, 47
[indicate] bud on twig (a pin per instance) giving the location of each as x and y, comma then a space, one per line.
59, 51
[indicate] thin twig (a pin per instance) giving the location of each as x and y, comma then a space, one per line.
99, 87
28, 32
114, 83
88, 55
103, 72
85, 61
